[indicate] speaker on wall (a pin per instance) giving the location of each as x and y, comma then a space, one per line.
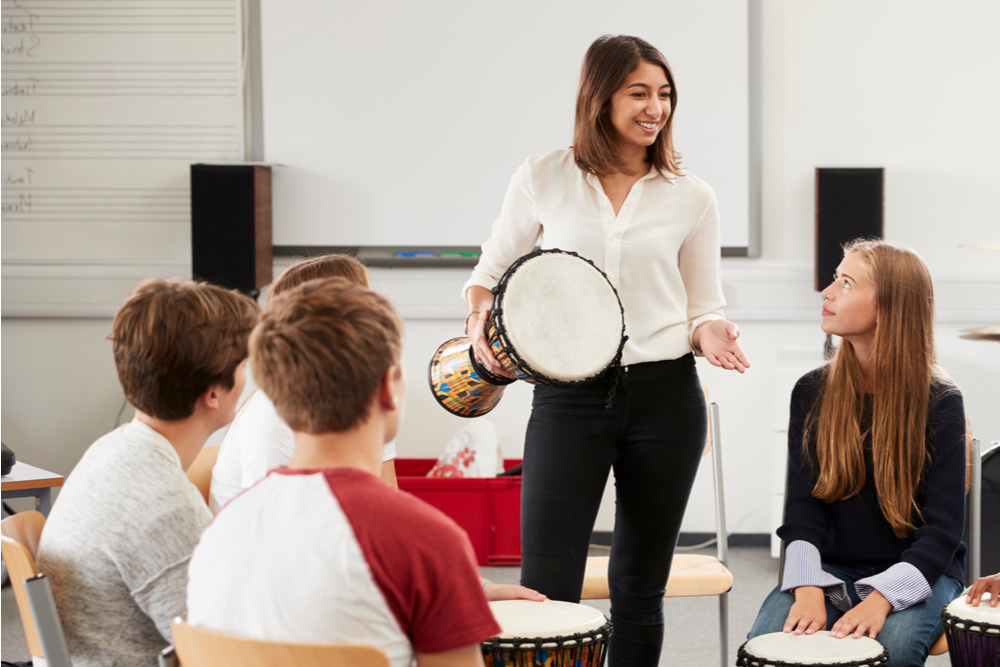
850, 204
231, 225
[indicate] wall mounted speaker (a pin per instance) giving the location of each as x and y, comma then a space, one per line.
231, 225
850, 204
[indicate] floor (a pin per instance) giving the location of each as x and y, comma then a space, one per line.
691, 638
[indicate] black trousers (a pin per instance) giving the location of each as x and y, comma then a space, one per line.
652, 436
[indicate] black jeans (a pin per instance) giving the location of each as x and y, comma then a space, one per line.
652, 437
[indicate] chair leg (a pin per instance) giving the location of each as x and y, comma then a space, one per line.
724, 630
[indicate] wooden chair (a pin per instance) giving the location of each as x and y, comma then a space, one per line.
197, 647
200, 472
973, 490
19, 536
690, 575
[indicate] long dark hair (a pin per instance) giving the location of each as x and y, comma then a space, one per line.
609, 61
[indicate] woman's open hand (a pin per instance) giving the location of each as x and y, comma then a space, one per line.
497, 592
990, 584
717, 341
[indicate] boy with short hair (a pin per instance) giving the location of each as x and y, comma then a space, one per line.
117, 543
323, 551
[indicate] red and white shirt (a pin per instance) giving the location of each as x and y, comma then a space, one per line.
338, 556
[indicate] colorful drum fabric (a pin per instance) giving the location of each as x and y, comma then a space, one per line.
780, 649
556, 320
547, 634
459, 384
973, 633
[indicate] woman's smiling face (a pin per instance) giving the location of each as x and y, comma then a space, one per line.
641, 107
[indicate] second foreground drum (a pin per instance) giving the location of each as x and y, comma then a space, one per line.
547, 634
973, 633
780, 649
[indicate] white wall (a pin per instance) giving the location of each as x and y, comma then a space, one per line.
905, 85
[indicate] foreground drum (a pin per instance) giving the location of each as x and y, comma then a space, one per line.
556, 320
780, 649
547, 634
973, 633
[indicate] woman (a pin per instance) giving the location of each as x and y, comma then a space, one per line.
620, 199
876, 468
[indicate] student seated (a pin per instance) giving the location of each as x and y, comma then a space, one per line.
258, 440
117, 543
876, 468
322, 551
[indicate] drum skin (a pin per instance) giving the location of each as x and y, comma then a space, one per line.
973, 633
458, 386
784, 649
547, 634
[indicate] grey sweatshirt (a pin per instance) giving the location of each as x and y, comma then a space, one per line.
116, 547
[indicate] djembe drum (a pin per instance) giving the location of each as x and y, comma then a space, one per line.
973, 633
556, 320
547, 634
781, 649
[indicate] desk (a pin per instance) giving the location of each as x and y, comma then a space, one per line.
26, 481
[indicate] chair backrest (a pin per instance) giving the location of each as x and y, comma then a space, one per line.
197, 647
200, 472
19, 535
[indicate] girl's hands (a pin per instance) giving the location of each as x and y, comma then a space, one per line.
717, 341
808, 614
989, 585
480, 346
865, 619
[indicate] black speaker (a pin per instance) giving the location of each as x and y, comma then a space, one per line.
231, 225
850, 204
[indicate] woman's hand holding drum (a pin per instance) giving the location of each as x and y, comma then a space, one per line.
480, 298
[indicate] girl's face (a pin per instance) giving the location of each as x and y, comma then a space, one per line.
849, 309
641, 107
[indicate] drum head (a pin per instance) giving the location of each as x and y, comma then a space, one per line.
984, 615
816, 649
562, 316
522, 619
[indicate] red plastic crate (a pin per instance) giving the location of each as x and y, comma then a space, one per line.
489, 510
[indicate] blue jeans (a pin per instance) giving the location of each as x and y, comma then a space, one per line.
908, 634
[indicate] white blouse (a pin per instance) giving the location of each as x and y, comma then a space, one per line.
661, 252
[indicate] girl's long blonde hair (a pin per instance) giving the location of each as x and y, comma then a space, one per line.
904, 364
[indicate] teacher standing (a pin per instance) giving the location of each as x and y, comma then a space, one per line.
619, 198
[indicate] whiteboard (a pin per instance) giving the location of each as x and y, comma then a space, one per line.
400, 123
105, 107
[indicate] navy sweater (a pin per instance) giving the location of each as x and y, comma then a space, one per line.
854, 531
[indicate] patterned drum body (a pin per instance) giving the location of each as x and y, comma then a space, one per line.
547, 634
458, 385
780, 649
973, 633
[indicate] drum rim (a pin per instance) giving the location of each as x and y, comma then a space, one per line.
497, 312
593, 637
969, 625
747, 659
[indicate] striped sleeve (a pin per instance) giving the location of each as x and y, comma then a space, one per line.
803, 567
902, 585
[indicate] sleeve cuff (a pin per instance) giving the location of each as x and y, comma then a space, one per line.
804, 567
697, 322
902, 585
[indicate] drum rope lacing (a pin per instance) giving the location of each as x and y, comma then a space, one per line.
496, 319
578, 639
967, 625
745, 659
